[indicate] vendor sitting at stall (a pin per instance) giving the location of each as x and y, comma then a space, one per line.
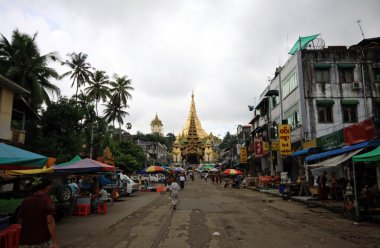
99, 198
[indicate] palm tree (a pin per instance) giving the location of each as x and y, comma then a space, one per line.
120, 89
98, 89
21, 61
80, 70
114, 112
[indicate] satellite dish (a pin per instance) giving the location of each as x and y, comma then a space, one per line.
316, 44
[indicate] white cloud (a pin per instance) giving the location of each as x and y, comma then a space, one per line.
223, 50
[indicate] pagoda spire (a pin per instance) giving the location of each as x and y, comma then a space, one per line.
193, 116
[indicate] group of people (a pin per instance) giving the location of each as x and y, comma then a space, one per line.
37, 214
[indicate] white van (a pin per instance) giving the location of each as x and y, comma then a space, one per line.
127, 185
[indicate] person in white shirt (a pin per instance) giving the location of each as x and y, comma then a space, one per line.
174, 189
102, 197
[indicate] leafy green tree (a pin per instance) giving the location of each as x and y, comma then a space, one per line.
79, 70
60, 132
120, 89
228, 142
129, 156
98, 87
114, 112
21, 61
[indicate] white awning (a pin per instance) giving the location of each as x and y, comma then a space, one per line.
331, 165
334, 161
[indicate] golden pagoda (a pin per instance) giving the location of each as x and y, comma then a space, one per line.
156, 126
193, 145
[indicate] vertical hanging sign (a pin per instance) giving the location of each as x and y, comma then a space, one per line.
284, 138
243, 155
258, 148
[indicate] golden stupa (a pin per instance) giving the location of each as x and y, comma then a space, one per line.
193, 145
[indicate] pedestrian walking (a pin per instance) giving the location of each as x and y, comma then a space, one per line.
37, 217
182, 180
174, 189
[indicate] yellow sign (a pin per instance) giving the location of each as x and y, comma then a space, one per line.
243, 155
284, 138
310, 144
274, 145
266, 147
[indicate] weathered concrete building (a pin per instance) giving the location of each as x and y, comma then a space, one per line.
317, 92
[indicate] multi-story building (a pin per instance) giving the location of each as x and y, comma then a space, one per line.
155, 152
318, 92
14, 111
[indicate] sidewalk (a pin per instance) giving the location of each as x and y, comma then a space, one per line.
336, 207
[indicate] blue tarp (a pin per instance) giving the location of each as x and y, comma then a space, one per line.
303, 152
342, 150
105, 181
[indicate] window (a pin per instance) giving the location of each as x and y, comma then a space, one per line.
289, 84
349, 113
322, 75
275, 101
376, 74
325, 114
292, 116
346, 75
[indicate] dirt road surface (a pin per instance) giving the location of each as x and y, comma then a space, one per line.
209, 215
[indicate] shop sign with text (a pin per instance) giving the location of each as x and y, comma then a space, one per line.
275, 146
259, 152
284, 138
243, 155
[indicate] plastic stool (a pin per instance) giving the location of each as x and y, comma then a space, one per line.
16, 238
102, 208
11, 237
3, 239
83, 209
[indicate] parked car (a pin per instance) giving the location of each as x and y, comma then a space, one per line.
14, 189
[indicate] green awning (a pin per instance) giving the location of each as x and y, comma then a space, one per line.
322, 66
301, 43
325, 102
372, 156
349, 102
346, 66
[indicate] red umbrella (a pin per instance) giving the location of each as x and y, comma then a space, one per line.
232, 172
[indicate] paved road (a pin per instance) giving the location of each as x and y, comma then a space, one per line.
209, 215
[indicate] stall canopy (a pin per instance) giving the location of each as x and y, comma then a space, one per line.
334, 161
342, 150
84, 166
13, 158
43, 170
371, 156
75, 159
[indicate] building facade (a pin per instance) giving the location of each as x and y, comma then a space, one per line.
317, 92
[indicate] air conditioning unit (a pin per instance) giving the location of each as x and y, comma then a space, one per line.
356, 85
